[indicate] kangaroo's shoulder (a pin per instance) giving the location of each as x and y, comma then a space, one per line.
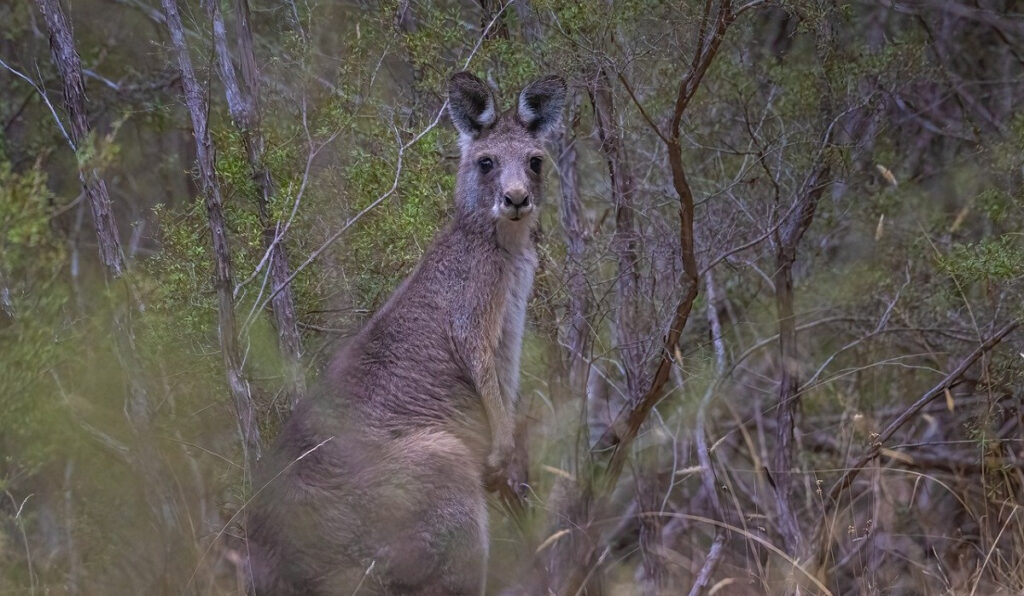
460, 264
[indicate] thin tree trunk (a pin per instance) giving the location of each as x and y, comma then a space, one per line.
577, 332
144, 458
74, 558
789, 383
244, 104
788, 238
65, 57
196, 102
571, 497
624, 239
628, 322
707, 471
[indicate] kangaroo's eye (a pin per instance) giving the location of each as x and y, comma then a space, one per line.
486, 164
535, 164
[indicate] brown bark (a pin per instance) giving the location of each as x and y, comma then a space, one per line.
143, 456
196, 102
244, 105
65, 57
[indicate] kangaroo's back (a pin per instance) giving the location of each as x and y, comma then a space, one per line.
377, 480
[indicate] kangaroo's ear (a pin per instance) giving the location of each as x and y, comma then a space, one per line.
470, 104
540, 105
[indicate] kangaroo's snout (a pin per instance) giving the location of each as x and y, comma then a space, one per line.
516, 203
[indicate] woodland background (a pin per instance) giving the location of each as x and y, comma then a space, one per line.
772, 345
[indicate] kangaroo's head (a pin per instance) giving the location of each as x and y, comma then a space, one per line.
503, 152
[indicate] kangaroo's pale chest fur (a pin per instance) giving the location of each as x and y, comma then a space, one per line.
521, 267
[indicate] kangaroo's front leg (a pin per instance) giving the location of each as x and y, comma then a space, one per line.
501, 421
477, 333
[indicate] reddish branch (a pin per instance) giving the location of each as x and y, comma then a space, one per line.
624, 430
196, 102
627, 425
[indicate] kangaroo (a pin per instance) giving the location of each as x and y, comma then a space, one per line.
377, 482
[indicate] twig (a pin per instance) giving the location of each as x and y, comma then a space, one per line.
32, 578
46, 100
232, 519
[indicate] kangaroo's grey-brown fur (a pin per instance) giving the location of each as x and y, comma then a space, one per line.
378, 480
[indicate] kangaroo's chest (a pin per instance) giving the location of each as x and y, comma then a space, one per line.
519, 281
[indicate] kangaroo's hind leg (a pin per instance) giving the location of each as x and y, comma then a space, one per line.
438, 544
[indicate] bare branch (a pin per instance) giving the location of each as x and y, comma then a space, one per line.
46, 100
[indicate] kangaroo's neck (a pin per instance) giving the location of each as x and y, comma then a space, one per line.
515, 237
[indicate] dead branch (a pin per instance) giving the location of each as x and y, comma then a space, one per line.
707, 471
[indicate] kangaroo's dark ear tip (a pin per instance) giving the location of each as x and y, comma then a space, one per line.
551, 83
554, 80
464, 77
540, 104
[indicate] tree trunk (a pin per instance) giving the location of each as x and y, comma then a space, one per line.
244, 105
143, 458
709, 479
196, 102
624, 240
65, 57
787, 240
577, 331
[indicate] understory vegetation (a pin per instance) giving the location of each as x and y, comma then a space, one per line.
772, 345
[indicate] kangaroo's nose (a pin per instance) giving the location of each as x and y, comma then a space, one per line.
517, 198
